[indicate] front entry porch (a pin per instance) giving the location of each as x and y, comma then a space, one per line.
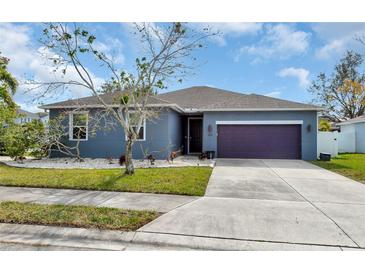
193, 134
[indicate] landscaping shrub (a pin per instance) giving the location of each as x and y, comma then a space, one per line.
20, 139
37, 147
14, 141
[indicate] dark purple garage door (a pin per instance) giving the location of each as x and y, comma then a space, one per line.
259, 141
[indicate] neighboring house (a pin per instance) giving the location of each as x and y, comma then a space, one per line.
354, 129
26, 116
199, 119
43, 117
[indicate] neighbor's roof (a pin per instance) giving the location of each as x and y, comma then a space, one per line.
360, 119
199, 98
26, 113
42, 114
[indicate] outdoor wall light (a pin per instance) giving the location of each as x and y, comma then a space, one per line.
210, 130
309, 128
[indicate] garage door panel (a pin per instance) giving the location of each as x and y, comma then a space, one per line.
259, 141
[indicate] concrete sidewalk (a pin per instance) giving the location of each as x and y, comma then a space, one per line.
127, 200
37, 237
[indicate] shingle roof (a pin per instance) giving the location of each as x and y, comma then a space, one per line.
42, 114
108, 98
208, 98
201, 98
360, 119
256, 101
198, 97
26, 113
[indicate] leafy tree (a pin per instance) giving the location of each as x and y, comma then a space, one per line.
342, 94
35, 131
14, 141
324, 125
7, 116
20, 139
8, 86
167, 55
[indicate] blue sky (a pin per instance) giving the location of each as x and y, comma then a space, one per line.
275, 59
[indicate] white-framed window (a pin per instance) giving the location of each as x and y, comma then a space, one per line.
134, 123
78, 126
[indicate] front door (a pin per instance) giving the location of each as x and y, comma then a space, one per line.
195, 129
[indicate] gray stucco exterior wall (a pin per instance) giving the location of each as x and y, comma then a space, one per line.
165, 134
162, 136
175, 130
309, 138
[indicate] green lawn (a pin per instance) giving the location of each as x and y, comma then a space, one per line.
75, 216
182, 180
349, 165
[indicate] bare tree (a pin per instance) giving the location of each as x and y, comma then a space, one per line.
167, 55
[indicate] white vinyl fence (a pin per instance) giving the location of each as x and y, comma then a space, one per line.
347, 142
327, 142
335, 142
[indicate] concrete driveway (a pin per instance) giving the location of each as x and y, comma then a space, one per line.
269, 205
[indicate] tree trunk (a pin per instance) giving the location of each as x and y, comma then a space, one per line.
129, 168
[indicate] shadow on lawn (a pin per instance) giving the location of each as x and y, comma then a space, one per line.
331, 165
111, 181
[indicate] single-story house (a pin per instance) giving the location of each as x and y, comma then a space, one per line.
354, 130
201, 118
26, 116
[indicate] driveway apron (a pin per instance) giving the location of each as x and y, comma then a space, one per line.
277, 201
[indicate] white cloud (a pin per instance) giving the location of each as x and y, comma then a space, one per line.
331, 48
26, 61
231, 29
134, 37
130, 28
29, 107
112, 48
279, 41
237, 28
300, 73
273, 94
337, 38
228, 29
